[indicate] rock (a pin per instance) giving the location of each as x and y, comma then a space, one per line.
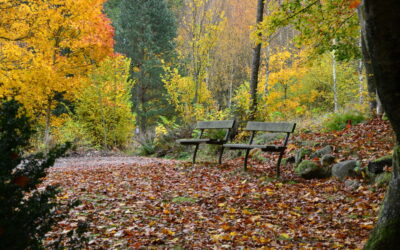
327, 160
383, 179
300, 154
343, 169
321, 152
291, 159
352, 184
376, 166
310, 170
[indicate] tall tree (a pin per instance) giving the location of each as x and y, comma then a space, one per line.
46, 47
382, 34
144, 32
255, 67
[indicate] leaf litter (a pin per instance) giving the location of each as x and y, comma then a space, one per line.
136, 202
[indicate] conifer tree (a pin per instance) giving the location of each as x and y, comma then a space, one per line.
144, 32
27, 213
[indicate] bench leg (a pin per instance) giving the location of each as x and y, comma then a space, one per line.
245, 159
195, 153
221, 152
278, 171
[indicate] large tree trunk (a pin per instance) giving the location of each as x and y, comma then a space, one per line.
255, 67
382, 32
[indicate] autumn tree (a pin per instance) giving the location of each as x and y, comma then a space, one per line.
47, 47
381, 32
230, 59
328, 26
103, 107
144, 32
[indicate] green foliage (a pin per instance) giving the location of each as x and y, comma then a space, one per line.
145, 33
27, 212
167, 132
336, 122
103, 110
323, 26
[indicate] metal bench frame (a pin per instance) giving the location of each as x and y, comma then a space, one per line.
272, 127
203, 125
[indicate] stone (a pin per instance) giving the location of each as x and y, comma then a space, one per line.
291, 159
310, 170
352, 184
344, 169
376, 166
321, 152
301, 154
327, 160
383, 179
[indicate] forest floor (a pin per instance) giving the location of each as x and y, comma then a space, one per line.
156, 203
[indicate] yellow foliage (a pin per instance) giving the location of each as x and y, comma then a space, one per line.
181, 93
50, 48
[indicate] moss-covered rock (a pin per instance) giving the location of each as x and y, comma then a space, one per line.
383, 179
376, 166
301, 154
310, 170
321, 152
344, 169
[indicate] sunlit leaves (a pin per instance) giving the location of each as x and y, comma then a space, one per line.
47, 48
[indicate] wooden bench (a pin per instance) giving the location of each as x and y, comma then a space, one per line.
207, 125
255, 127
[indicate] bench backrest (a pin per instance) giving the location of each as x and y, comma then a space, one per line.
277, 127
228, 124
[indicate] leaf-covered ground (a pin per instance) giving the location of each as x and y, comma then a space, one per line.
143, 202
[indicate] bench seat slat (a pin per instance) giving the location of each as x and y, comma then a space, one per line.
193, 141
269, 148
228, 124
283, 127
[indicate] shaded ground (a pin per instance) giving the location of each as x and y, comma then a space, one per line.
143, 202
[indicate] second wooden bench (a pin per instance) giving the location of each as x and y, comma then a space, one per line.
273, 127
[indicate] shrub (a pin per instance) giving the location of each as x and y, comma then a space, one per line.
27, 212
336, 122
104, 106
167, 132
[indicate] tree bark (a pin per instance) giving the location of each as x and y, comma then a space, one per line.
267, 69
334, 79
361, 82
382, 31
255, 67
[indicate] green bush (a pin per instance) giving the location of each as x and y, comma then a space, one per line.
103, 109
167, 132
27, 212
336, 122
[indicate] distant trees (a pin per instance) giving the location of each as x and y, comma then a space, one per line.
145, 32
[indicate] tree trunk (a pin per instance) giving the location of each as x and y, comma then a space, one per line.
255, 67
267, 69
382, 32
368, 66
361, 80
334, 79
360, 76
48, 124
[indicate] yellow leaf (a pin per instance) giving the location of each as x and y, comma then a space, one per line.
284, 236
247, 212
168, 232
